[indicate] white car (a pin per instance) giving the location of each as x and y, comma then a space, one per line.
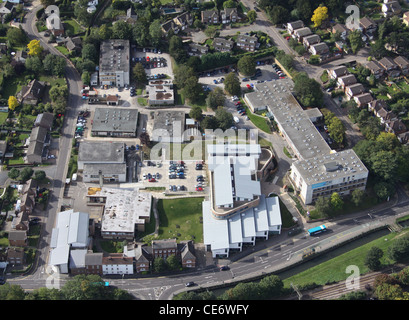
236, 119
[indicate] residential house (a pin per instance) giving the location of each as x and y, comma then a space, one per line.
20, 56
32, 93
403, 64
341, 29
376, 69
170, 25
141, 254
83, 261
363, 99
405, 18
403, 137
301, 33
385, 115
354, 90
3, 150
345, 81
229, 15
368, 26
21, 221
390, 66
6, 8
320, 49
248, 43
210, 17
197, 49
16, 256
183, 20
74, 44
187, 254
54, 24
131, 15
395, 126
390, 8
310, 40
117, 263
376, 105
18, 238
164, 248
336, 72
292, 26
15, 1
44, 120
223, 45
39, 141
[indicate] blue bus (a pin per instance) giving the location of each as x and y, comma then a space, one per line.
316, 230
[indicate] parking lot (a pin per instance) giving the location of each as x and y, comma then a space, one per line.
215, 79
153, 62
175, 176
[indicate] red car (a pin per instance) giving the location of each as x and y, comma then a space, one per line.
248, 86
147, 59
238, 103
152, 180
199, 189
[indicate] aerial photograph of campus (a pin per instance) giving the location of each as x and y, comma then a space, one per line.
161, 151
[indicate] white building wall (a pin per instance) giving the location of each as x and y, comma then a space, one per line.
117, 269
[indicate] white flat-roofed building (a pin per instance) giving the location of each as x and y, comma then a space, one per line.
340, 172
114, 63
100, 153
125, 211
220, 236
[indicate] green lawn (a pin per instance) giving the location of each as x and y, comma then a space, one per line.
3, 117
12, 86
63, 50
73, 27
334, 270
181, 219
258, 121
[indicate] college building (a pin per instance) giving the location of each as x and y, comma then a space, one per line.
319, 170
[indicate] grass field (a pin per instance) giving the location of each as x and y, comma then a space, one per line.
334, 270
258, 121
181, 219
72, 26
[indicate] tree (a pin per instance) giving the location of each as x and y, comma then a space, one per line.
232, 84
196, 113
384, 190
357, 196
336, 201
323, 205
278, 14
54, 65
355, 40
139, 73
173, 262
209, 123
46, 3
399, 250
271, 287
383, 164
13, 173
34, 65
224, 118
176, 49
372, 259
247, 66
40, 175
34, 48
191, 89
229, 4
215, 98
16, 36
26, 173
252, 16
89, 52
243, 291
182, 74
12, 292
121, 30
155, 32
308, 91
159, 265
12, 102
84, 287
320, 14
86, 77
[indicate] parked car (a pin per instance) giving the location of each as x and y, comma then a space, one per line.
189, 284
224, 268
152, 180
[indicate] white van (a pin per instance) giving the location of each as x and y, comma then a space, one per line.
237, 120
74, 177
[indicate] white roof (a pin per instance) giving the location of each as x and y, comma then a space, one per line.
260, 216
245, 187
215, 232
59, 255
273, 209
222, 181
248, 224
235, 231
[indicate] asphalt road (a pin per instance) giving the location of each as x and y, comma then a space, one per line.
74, 103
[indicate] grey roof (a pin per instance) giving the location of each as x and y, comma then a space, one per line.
92, 152
114, 56
164, 244
93, 258
320, 169
296, 24
44, 119
115, 120
106, 168
77, 258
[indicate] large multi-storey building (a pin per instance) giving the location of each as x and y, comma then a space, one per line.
319, 171
114, 63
